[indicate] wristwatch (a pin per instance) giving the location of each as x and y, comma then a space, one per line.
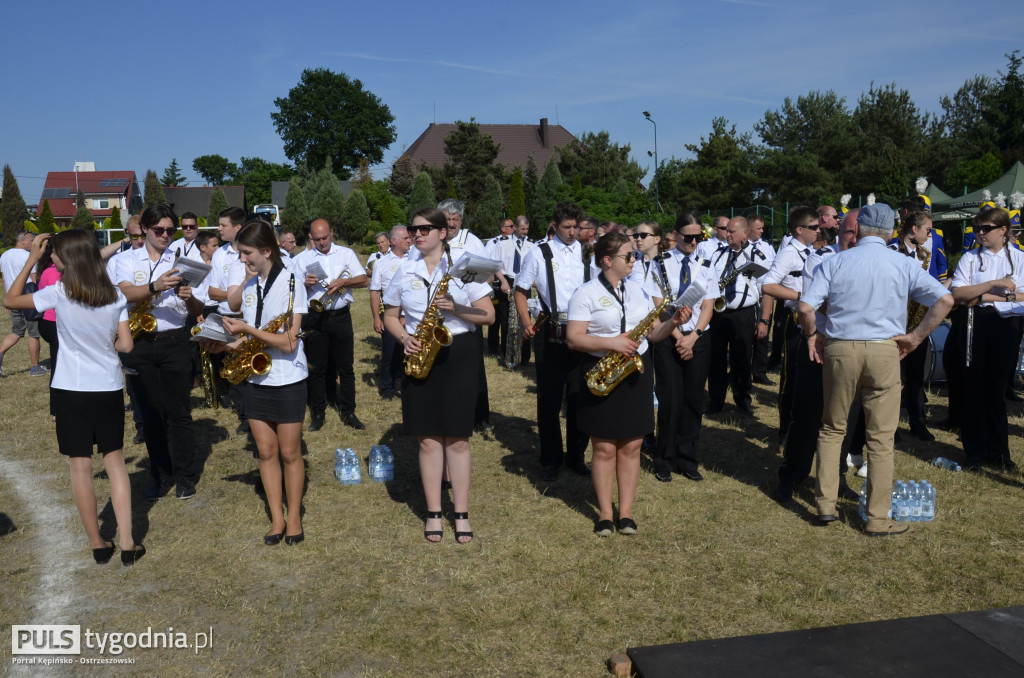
762, 320
699, 333
808, 336
1012, 296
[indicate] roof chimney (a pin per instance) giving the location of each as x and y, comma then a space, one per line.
544, 132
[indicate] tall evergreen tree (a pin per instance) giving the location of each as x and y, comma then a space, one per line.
83, 219
402, 175
422, 194
356, 215
115, 217
329, 202
46, 224
154, 192
218, 203
490, 210
172, 175
317, 185
531, 181
516, 195
12, 214
296, 212
450, 182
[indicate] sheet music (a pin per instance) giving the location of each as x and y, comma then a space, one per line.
317, 270
474, 268
752, 269
191, 272
692, 296
213, 328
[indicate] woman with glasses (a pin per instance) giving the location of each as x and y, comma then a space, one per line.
602, 314
986, 279
649, 244
439, 408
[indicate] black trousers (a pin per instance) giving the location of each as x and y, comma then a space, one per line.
330, 334
759, 361
912, 373
732, 340
679, 385
791, 343
778, 321
802, 438
557, 378
392, 362
162, 388
983, 427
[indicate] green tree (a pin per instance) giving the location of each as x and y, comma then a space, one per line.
516, 195
450, 192
218, 203
329, 201
172, 175
258, 176
115, 217
316, 185
154, 192
215, 169
470, 160
83, 218
356, 215
717, 177
531, 182
46, 224
546, 195
422, 194
1006, 111
598, 162
295, 211
327, 115
490, 210
12, 212
402, 176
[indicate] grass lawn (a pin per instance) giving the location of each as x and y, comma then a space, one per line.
534, 594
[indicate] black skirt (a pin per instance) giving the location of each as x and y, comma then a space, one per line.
626, 412
275, 404
88, 418
443, 403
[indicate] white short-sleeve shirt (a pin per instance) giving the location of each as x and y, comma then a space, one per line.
11, 263
86, 359
287, 368
701, 271
787, 269
601, 310
136, 268
567, 266
339, 262
222, 261
412, 288
384, 270
189, 250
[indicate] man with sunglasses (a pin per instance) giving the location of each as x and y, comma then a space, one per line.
186, 246
732, 334
162, 358
708, 248
681, 362
556, 268
785, 281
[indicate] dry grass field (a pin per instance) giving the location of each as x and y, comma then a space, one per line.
534, 594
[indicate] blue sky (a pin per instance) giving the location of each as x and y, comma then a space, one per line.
132, 85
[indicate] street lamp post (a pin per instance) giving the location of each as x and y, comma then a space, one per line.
657, 199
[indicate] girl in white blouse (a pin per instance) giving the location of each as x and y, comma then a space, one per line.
92, 323
275, 402
602, 313
438, 409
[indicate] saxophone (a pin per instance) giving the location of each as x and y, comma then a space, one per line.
140, 317
916, 311
206, 374
723, 282
250, 358
513, 335
431, 332
603, 377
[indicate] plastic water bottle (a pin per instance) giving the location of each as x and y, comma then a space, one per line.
376, 470
916, 498
339, 466
388, 463
946, 464
862, 507
903, 503
928, 503
355, 474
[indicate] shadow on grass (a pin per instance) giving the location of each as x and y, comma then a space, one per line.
7, 525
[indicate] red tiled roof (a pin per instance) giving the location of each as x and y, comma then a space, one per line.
63, 204
517, 141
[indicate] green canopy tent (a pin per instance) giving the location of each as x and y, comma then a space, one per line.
966, 206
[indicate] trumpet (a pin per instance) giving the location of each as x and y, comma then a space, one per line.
320, 305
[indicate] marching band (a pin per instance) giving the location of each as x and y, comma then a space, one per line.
607, 307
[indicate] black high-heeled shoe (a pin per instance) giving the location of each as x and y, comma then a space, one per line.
427, 534
130, 557
104, 554
273, 539
460, 535
293, 539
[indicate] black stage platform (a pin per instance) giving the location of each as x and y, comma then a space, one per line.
988, 644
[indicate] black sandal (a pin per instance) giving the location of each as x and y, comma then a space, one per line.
104, 554
427, 534
459, 535
130, 557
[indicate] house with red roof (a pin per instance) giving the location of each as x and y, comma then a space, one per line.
517, 142
102, 189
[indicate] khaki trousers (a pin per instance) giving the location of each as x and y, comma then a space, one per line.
870, 369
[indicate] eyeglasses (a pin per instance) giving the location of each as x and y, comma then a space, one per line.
695, 237
641, 236
985, 228
135, 236
189, 227
628, 256
422, 229
159, 231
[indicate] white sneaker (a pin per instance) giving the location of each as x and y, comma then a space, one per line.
863, 471
854, 460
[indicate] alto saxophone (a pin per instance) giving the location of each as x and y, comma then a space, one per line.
250, 358
206, 379
513, 335
431, 332
609, 372
916, 311
140, 317
723, 282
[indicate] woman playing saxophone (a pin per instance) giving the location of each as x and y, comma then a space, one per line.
602, 315
438, 397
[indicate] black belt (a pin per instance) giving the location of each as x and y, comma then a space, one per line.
734, 310
339, 311
166, 334
230, 315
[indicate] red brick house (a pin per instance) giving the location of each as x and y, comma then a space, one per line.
102, 191
517, 142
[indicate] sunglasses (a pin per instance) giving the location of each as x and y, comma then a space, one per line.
986, 228
159, 231
628, 256
423, 229
134, 236
189, 227
696, 237
641, 236
812, 227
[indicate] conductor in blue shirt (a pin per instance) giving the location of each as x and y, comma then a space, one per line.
864, 291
